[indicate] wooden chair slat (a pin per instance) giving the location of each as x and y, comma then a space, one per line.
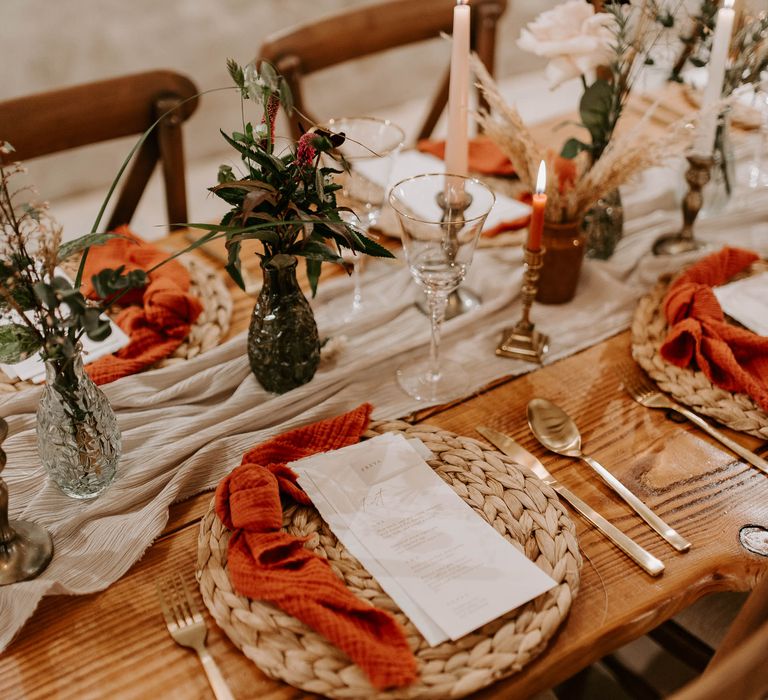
303, 50
81, 115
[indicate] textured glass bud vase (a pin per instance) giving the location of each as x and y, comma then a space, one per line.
283, 345
78, 438
604, 225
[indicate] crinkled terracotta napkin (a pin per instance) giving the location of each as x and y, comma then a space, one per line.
484, 155
266, 563
733, 358
157, 318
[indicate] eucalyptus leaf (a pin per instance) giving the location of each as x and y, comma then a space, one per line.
101, 332
17, 343
45, 295
595, 109
108, 282
572, 148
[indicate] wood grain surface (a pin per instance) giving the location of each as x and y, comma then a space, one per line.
114, 644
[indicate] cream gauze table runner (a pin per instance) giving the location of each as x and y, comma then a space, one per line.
184, 427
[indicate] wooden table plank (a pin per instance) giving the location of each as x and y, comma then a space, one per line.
96, 646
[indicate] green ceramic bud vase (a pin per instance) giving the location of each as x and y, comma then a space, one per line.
283, 344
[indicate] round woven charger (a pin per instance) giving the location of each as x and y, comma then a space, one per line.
206, 332
690, 387
520, 506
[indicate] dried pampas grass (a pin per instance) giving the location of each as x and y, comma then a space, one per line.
624, 157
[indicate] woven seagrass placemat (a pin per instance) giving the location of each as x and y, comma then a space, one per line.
206, 332
520, 506
690, 387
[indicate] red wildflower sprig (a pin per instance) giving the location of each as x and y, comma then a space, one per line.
270, 117
305, 150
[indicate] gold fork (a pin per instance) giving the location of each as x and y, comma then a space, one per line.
187, 627
640, 388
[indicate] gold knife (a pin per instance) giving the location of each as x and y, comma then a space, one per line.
634, 551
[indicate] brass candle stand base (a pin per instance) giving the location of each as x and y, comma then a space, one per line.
697, 177
25, 548
523, 341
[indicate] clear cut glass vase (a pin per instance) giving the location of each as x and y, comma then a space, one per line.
78, 438
604, 225
283, 343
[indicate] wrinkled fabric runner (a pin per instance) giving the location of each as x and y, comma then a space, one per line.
266, 563
185, 425
156, 318
734, 358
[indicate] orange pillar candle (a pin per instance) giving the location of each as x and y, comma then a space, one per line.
536, 226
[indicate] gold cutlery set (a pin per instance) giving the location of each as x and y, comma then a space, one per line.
556, 430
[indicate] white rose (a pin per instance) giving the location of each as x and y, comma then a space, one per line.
572, 36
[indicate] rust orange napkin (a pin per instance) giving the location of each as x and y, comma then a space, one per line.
158, 317
733, 358
483, 155
267, 564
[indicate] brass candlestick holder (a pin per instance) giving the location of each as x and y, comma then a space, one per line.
523, 341
697, 177
25, 548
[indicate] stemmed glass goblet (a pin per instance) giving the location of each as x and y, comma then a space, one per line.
370, 148
441, 216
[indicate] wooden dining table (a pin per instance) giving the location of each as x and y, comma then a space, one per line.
114, 644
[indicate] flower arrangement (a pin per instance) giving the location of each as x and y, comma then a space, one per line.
748, 61
285, 198
748, 52
40, 309
606, 50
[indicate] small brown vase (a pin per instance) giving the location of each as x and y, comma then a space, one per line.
564, 244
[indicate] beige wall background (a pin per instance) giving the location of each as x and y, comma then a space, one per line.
51, 44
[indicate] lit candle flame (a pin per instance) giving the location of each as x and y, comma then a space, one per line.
541, 180
728, 4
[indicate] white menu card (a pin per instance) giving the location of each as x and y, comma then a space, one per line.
445, 566
746, 300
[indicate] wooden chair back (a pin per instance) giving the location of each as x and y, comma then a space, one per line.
739, 668
367, 30
81, 115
